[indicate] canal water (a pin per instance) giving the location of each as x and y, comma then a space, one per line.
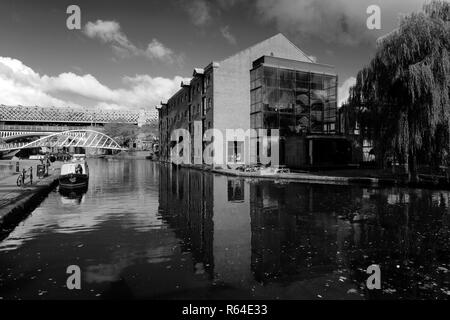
147, 230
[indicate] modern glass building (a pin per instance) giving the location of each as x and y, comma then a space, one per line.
299, 99
291, 99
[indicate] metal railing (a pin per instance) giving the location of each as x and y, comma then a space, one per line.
25, 177
12, 146
38, 128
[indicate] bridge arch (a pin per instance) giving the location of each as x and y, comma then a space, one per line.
84, 138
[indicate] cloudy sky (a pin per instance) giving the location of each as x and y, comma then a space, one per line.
133, 54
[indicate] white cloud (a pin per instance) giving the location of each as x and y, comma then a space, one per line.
343, 90
107, 31
110, 32
19, 84
228, 35
87, 86
199, 12
156, 49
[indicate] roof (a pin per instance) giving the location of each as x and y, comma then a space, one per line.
286, 50
277, 37
297, 65
198, 71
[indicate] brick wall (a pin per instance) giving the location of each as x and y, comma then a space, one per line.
232, 81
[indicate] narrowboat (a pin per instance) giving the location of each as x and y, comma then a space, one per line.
74, 174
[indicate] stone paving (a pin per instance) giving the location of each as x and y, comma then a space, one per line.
10, 193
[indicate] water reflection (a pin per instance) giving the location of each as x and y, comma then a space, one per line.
73, 197
271, 240
147, 230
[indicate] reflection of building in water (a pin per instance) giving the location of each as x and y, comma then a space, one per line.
291, 235
232, 232
221, 243
397, 198
235, 190
185, 203
242, 232
296, 235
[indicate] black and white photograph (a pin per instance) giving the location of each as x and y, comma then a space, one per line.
223, 155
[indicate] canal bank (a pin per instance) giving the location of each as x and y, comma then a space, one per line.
363, 177
129, 155
16, 202
309, 177
319, 177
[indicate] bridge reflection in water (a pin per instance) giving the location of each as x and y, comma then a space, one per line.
147, 230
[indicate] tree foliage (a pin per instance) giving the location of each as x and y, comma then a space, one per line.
403, 96
125, 133
151, 131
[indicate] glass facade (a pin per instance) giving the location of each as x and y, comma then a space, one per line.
293, 101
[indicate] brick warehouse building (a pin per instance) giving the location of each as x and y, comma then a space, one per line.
271, 85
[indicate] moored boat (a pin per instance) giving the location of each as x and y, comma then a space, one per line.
75, 174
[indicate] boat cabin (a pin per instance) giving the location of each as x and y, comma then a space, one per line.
79, 157
78, 167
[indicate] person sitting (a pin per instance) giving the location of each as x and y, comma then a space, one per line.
79, 169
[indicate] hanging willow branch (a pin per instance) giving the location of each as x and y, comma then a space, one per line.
405, 90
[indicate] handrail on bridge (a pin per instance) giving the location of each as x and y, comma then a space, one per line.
40, 128
15, 145
85, 138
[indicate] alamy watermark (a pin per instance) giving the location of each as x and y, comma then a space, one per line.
374, 280
373, 22
236, 146
74, 280
73, 22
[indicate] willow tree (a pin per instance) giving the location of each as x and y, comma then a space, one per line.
404, 93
